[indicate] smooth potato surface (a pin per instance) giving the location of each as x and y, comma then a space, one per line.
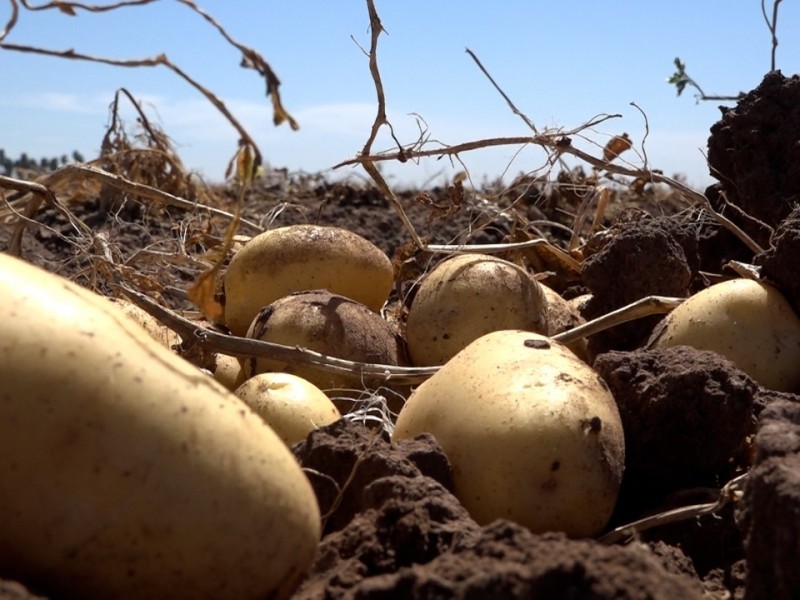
466, 297
299, 258
292, 406
532, 433
127, 473
748, 322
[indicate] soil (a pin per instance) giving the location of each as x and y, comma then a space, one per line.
692, 420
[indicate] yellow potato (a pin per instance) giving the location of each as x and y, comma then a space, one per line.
748, 322
563, 316
228, 371
532, 433
155, 328
127, 473
466, 297
299, 258
292, 406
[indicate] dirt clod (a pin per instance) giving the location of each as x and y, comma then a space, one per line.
769, 514
648, 256
686, 414
753, 152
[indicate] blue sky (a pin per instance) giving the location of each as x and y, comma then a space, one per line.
561, 62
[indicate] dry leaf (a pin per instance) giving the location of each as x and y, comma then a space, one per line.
66, 9
616, 146
202, 293
279, 114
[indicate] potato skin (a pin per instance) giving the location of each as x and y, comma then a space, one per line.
300, 258
749, 322
127, 473
157, 330
292, 406
465, 297
329, 324
532, 433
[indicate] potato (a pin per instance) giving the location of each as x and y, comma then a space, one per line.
155, 328
329, 324
748, 322
532, 433
292, 406
125, 472
563, 316
300, 258
228, 371
466, 297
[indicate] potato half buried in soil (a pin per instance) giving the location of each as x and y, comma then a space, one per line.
466, 297
748, 322
299, 258
532, 433
329, 324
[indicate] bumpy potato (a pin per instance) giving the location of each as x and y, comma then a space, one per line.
466, 297
532, 433
300, 258
329, 324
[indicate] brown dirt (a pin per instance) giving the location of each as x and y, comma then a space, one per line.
692, 420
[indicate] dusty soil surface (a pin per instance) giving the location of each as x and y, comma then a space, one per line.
692, 420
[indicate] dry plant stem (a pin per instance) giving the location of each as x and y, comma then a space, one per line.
143, 120
38, 194
161, 60
149, 192
237, 346
380, 119
511, 105
12, 20
551, 142
730, 492
773, 27
565, 258
650, 305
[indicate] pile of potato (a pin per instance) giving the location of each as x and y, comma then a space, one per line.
127, 472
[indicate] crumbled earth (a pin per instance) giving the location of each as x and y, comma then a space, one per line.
779, 260
687, 415
753, 152
392, 526
638, 258
769, 515
398, 531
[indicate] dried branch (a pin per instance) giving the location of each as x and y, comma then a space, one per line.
730, 492
772, 25
376, 27
12, 20
250, 59
238, 346
511, 105
68, 7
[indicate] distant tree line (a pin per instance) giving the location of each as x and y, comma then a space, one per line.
9, 166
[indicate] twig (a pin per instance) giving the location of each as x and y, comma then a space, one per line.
238, 346
772, 25
250, 59
730, 492
376, 27
649, 305
511, 105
